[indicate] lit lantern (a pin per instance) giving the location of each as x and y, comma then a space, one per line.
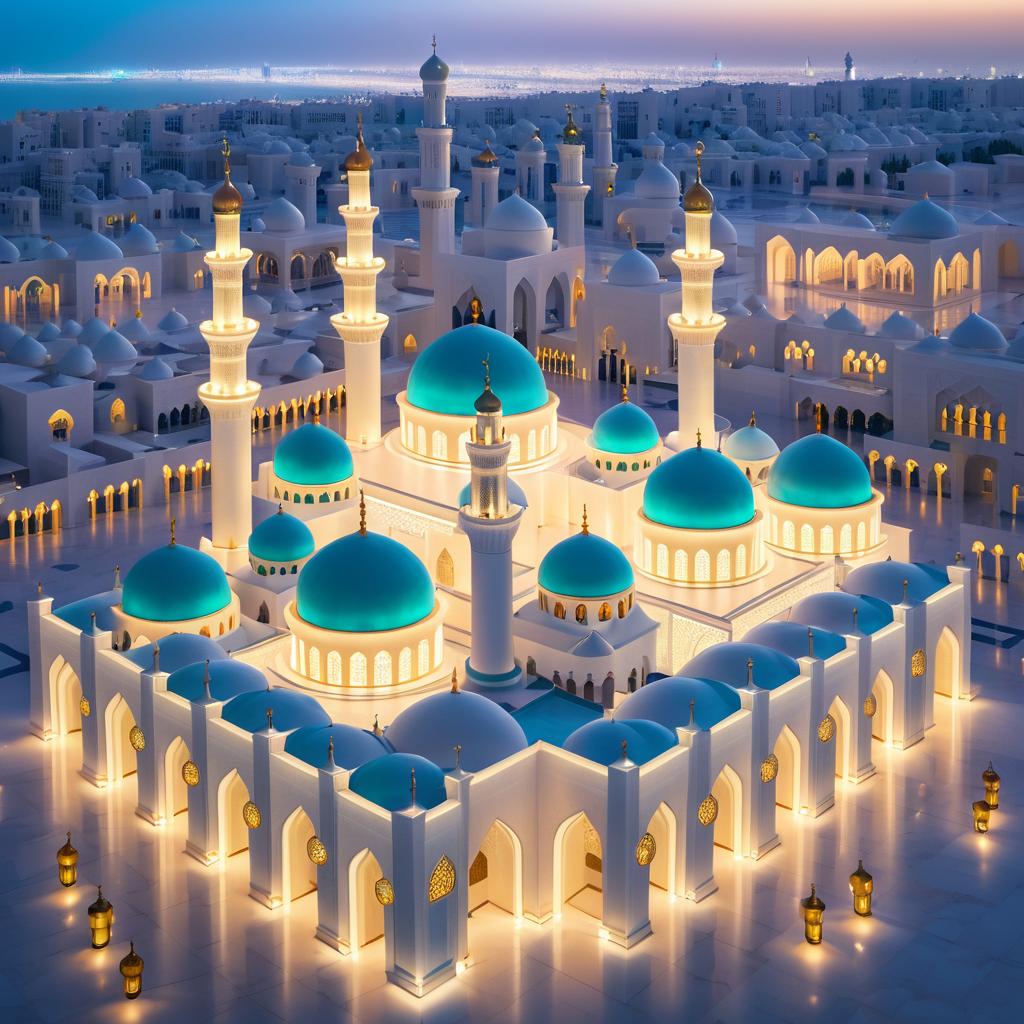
67, 864
861, 885
992, 783
769, 768
101, 918
826, 729
190, 773
384, 891
137, 738
646, 848
84, 706
982, 812
251, 815
316, 851
707, 810
870, 705
812, 909
131, 972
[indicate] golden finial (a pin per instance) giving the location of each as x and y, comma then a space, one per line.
487, 371
753, 419
586, 526
625, 392
699, 152
270, 719
699, 443
174, 530
316, 418
604, 92
227, 199
280, 509
359, 159
377, 730
362, 513
697, 198
225, 151
455, 681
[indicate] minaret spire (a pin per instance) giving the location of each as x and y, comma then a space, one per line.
570, 192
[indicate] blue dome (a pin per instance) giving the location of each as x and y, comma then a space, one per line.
884, 581
364, 583
291, 711
386, 781
698, 489
602, 739
174, 583
434, 725
667, 702
728, 663
750, 444
585, 565
178, 650
447, 376
834, 611
228, 678
352, 747
281, 538
791, 638
516, 495
925, 219
434, 69
311, 456
624, 429
978, 334
819, 472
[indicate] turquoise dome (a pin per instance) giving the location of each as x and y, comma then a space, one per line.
819, 472
364, 583
281, 538
174, 583
387, 782
602, 739
667, 702
291, 710
448, 374
698, 489
228, 678
624, 429
311, 456
352, 747
585, 565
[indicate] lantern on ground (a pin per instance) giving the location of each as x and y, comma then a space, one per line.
67, 864
131, 972
982, 812
992, 783
812, 908
862, 885
101, 918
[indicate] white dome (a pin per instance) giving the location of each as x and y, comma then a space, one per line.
976, 333
114, 348
95, 246
278, 147
722, 231
155, 369
282, 216
134, 188
135, 330
634, 269
26, 351
807, 216
301, 159
535, 145
307, 366
656, 181
855, 219
926, 220
255, 306
78, 361
53, 251
844, 319
750, 444
184, 243
48, 332
928, 168
93, 331
257, 224
72, 328
990, 217
9, 252
138, 240
172, 321
82, 194
901, 328
515, 214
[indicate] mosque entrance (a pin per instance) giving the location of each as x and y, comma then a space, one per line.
787, 776
578, 867
121, 756
175, 787
232, 796
495, 874
946, 672
298, 872
366, 912
662, 830
65, 699
882, 692
728, 825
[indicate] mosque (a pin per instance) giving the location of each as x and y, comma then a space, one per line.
491, 656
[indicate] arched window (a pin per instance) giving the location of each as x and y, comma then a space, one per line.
622, 609
334, 668
405, 665
845, 539
421, 440
314, 663
604, 612
382, 669
680, 566
559, 610
515, 447
531, 445
722, 564
357, 670
662, 567
861, 536
423, 658
581, 613
439, 445
806, 537
741, 561
828, 540
445, 569
789, 535
702, 567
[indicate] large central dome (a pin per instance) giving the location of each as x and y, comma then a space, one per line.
448, 374
698, 489
173, 584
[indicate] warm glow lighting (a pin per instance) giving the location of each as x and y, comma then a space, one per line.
131, 973
982, 812
602, 934
862, 886
101, 919
67, 864
812, 909
992, 783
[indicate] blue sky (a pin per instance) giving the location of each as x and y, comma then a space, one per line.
78, 35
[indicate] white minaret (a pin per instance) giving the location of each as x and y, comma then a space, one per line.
694, 329
435, 197
229, 395
490, 523
570, 192
530, 160
484, 173
605, 168
360, 325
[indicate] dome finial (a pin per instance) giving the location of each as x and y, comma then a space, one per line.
753, 418
585, 525
455, 680
280, 509
699, 153
625, 750
487, 371
699, 442
625, 391
270, 719
174, 527
412, 787
206, 681
458, 757
604, 92
693, 708
362, 513
750, 672
433, 42
377, 730
810, 642
330, 752
227, 199
225, 150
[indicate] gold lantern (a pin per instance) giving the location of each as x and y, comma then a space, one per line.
84, 706
918, 664
384, 891
707, 811
137, 738
870, 705
992, 783
316, 851
251, 815
101, 918
982, 812
861, 885
190, 773
442, 879
646, 848
131, 972
67, 864
769, 768
826, 729
812, 908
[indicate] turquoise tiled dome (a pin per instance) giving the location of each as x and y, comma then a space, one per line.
387, 782
819, 472
698, 489
364, 583
448, 374
624, 429
281, 538
311, 456
585, 566
174, 583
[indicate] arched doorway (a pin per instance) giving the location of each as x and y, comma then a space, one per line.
728, 826
523, 304
787, 777
298, 873
578, 867
495, 873
445, 569
233, 834
65, 698
366, 913
841, 739
781, 260
946, 670
882, 691
662, 828
121, 756
175, 789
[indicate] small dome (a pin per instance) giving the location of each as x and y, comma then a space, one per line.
94, 246
255, 306
585, 566
178, 650
172, 321
929, 169
359, 159
791, 639
9, 334
281, 538
175, 583
634, 269
535, 144
228, 678
516, 495
257, 224
624, 429
184, 243
26, 351
698, 489
667, 702
486, 158
114, 348
819, 472
53, 251
48, 332
134, 188
282, 216
352, 747
433, 726
807, 216
433, 69
302, 159
291, 710
991, 218
856, 219
387, 782
307, 366
72, 328
514, 213
312, 455
723, 233
750, 444
83, 194
900, 328
593, 645
925, 220
976, 333
844, 319
277, 147
155, 369
446, 375
364, 583
813, 150
727, 662
601, 740
9, 252
884, 580
77, 362
93, 331
656, 181
834, 611
135, 330
138, 240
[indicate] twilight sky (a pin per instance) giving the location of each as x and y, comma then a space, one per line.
911, 34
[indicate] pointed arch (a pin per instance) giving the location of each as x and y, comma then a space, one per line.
946, 664
232, 833
787, 778
445, 569
842, 739
663, 827
298, 873
175, 795
365, 913
496, 872
728, 826
578, 866
118, 722
883, 691
65, 698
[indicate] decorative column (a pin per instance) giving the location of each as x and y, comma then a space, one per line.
229, 395
605, 169
570, 192
360, 325
490, 523
695, 328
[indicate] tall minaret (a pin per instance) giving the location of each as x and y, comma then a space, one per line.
570, 192
851, 68
694, 329
490, 523
360, 325
484, 172
229, 395
605, 168
435, 197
